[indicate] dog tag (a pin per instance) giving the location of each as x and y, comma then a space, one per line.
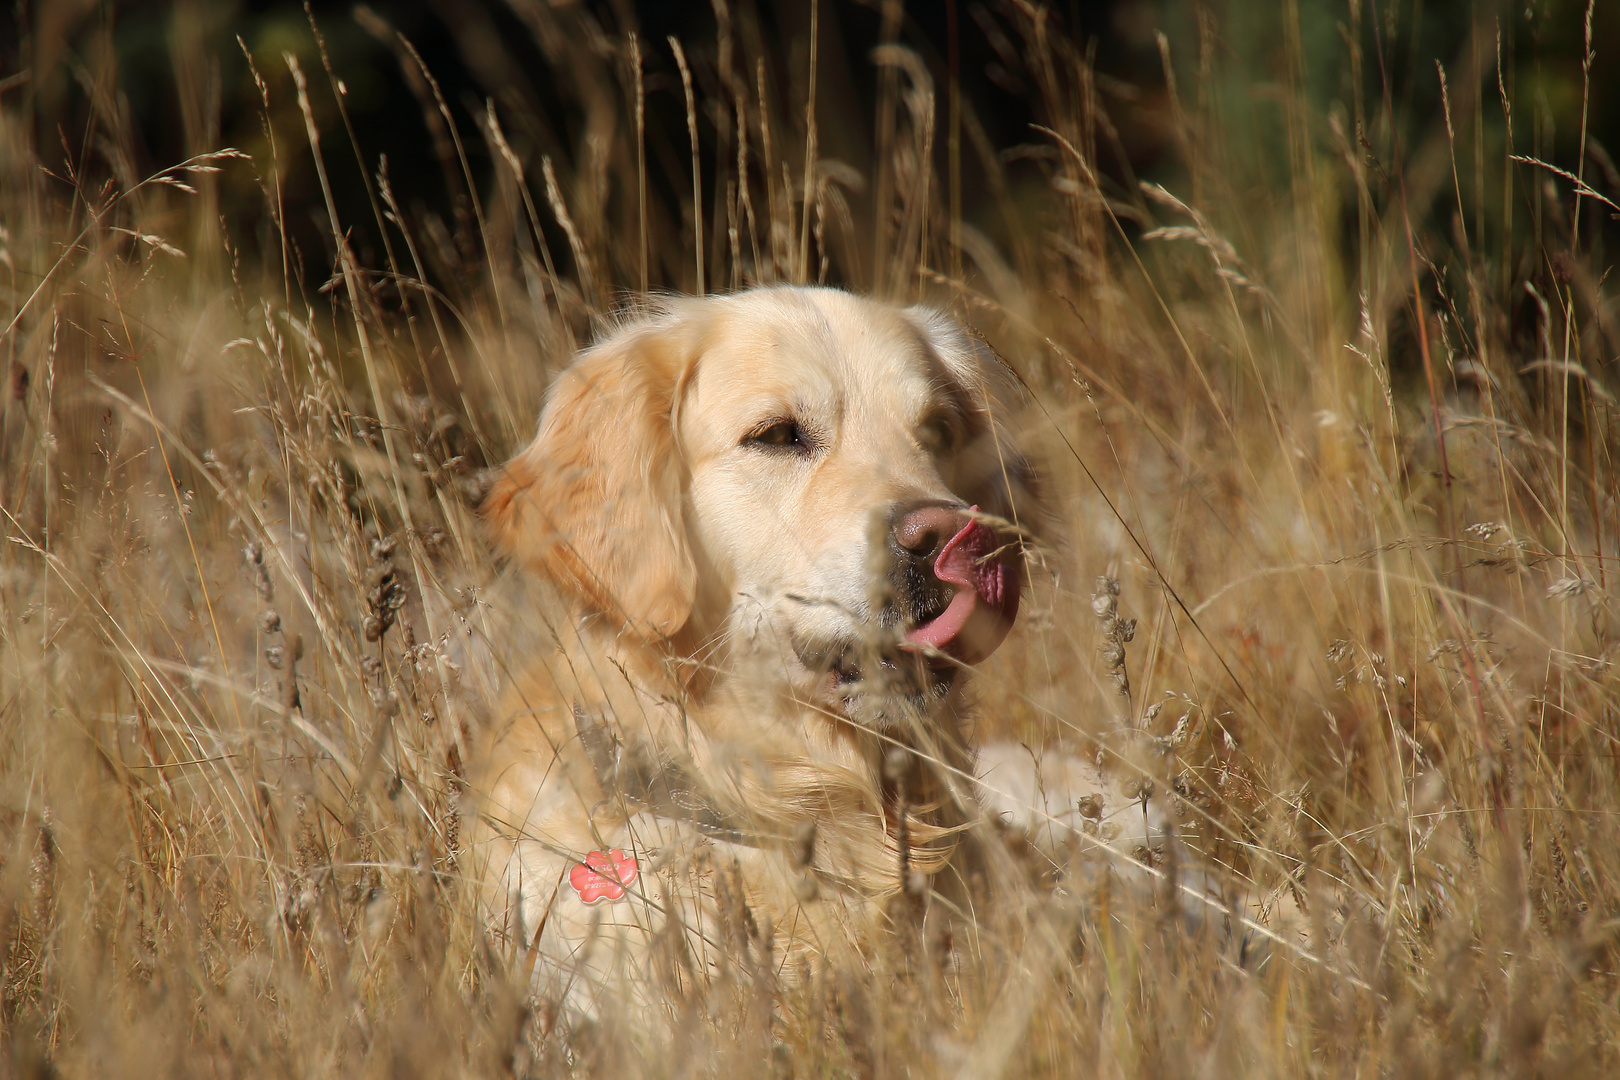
603, 875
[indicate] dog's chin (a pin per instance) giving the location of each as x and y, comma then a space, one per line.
876, 688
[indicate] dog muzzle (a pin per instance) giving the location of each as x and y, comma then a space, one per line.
987, 581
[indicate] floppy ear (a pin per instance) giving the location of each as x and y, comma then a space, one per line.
995, 473
594, 503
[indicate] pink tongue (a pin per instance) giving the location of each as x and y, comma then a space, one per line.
986, 601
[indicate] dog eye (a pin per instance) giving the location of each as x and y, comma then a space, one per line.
779, 435
937, 436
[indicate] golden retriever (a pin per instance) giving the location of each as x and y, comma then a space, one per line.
782, 527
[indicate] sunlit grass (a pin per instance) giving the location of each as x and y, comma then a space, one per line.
1334, 407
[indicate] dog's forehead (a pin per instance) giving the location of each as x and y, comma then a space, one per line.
815, 354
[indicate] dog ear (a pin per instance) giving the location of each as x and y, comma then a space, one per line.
594, 503
996, 474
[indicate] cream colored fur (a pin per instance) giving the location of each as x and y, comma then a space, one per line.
682, 715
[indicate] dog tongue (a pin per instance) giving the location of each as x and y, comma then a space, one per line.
986, 601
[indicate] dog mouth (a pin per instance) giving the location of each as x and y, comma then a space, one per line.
946, 613
850, 671
965, 612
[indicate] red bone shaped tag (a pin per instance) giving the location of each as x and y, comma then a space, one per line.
603, 876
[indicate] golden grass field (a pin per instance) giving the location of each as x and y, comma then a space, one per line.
1336, 408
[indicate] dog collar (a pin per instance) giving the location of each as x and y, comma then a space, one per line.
634, 771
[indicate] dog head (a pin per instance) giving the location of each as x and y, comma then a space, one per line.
801, 478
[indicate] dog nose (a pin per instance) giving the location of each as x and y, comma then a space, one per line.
956, 581
921, 531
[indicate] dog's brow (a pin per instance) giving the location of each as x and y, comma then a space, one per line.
949, 398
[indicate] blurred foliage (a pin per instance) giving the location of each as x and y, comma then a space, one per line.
183, 85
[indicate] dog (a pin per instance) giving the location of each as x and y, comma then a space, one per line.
779, 528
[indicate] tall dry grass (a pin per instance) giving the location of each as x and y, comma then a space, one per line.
1335, 408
